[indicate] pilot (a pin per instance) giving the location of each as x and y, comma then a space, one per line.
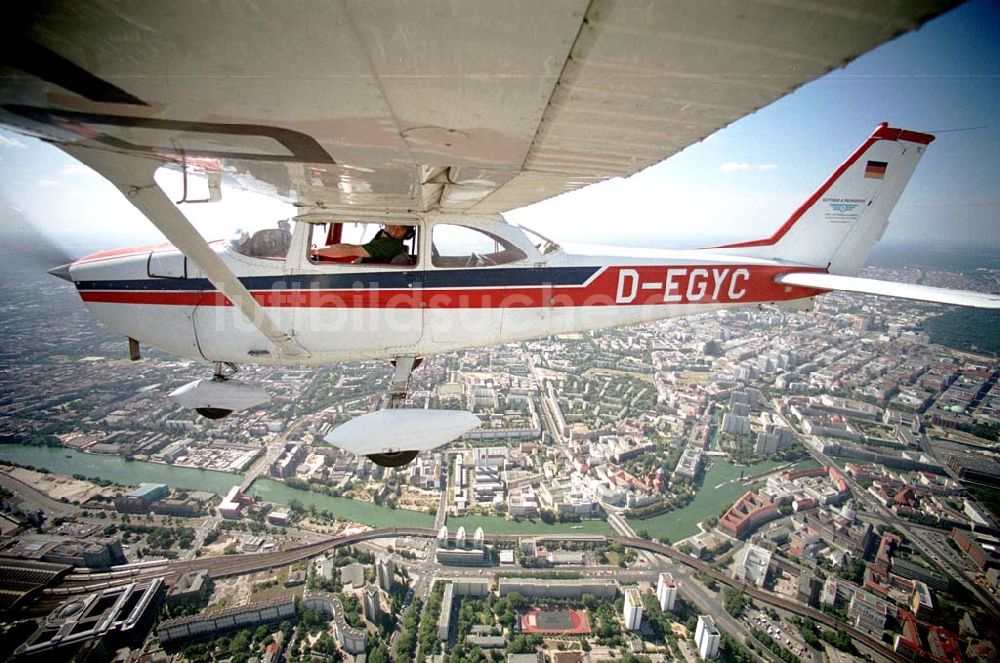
385, 247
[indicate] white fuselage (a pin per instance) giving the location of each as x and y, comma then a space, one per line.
342, 312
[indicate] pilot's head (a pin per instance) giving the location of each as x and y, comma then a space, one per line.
399, 232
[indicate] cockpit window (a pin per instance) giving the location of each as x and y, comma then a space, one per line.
270, 243
461, 246
384, 244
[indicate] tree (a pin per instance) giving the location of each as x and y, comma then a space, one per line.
379, 654
735, 601
240, 643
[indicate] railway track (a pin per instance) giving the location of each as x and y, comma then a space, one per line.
230, 565
765, 597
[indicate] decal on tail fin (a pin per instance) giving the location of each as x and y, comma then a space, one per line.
839, 224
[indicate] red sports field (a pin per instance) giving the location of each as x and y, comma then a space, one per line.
555, 620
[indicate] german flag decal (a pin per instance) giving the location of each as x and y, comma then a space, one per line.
875, 169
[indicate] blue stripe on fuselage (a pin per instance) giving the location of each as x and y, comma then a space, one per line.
453, 278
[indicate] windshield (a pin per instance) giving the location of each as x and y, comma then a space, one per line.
544, 245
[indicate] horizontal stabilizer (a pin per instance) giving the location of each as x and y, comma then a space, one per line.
395, 430
924, 293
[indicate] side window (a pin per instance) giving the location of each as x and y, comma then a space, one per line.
385, 251
461, 246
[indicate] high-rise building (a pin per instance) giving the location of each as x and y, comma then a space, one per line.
767, 444
666, 591
372, 603
385, 569
707, 637
735, 424
633, 609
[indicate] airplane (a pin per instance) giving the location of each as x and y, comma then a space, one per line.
379, 113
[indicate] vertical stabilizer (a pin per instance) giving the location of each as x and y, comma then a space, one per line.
839, 224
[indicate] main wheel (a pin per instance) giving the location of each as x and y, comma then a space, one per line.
397, 459
213, 412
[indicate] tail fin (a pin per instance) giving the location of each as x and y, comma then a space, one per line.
838, 225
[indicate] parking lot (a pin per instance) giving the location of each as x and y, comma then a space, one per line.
781, 631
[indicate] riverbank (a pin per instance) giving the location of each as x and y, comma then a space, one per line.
497, 525
55, 486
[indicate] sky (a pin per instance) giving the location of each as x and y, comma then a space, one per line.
740, 183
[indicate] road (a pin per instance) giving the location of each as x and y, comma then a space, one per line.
619, 525
211, 522
442, 511
710, 604
271, 453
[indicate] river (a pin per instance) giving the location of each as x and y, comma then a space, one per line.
677, 524
63, 460
708, 501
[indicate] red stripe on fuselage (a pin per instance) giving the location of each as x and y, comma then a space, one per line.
125, 252
615, 286
130, 251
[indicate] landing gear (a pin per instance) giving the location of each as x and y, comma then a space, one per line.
397, 398
219, 397
393, 435
401, 379
222, 372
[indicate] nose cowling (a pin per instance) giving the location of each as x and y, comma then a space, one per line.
62, 271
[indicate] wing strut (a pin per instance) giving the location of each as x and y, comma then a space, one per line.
133, 176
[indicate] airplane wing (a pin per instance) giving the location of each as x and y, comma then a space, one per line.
385, 105
922, 293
